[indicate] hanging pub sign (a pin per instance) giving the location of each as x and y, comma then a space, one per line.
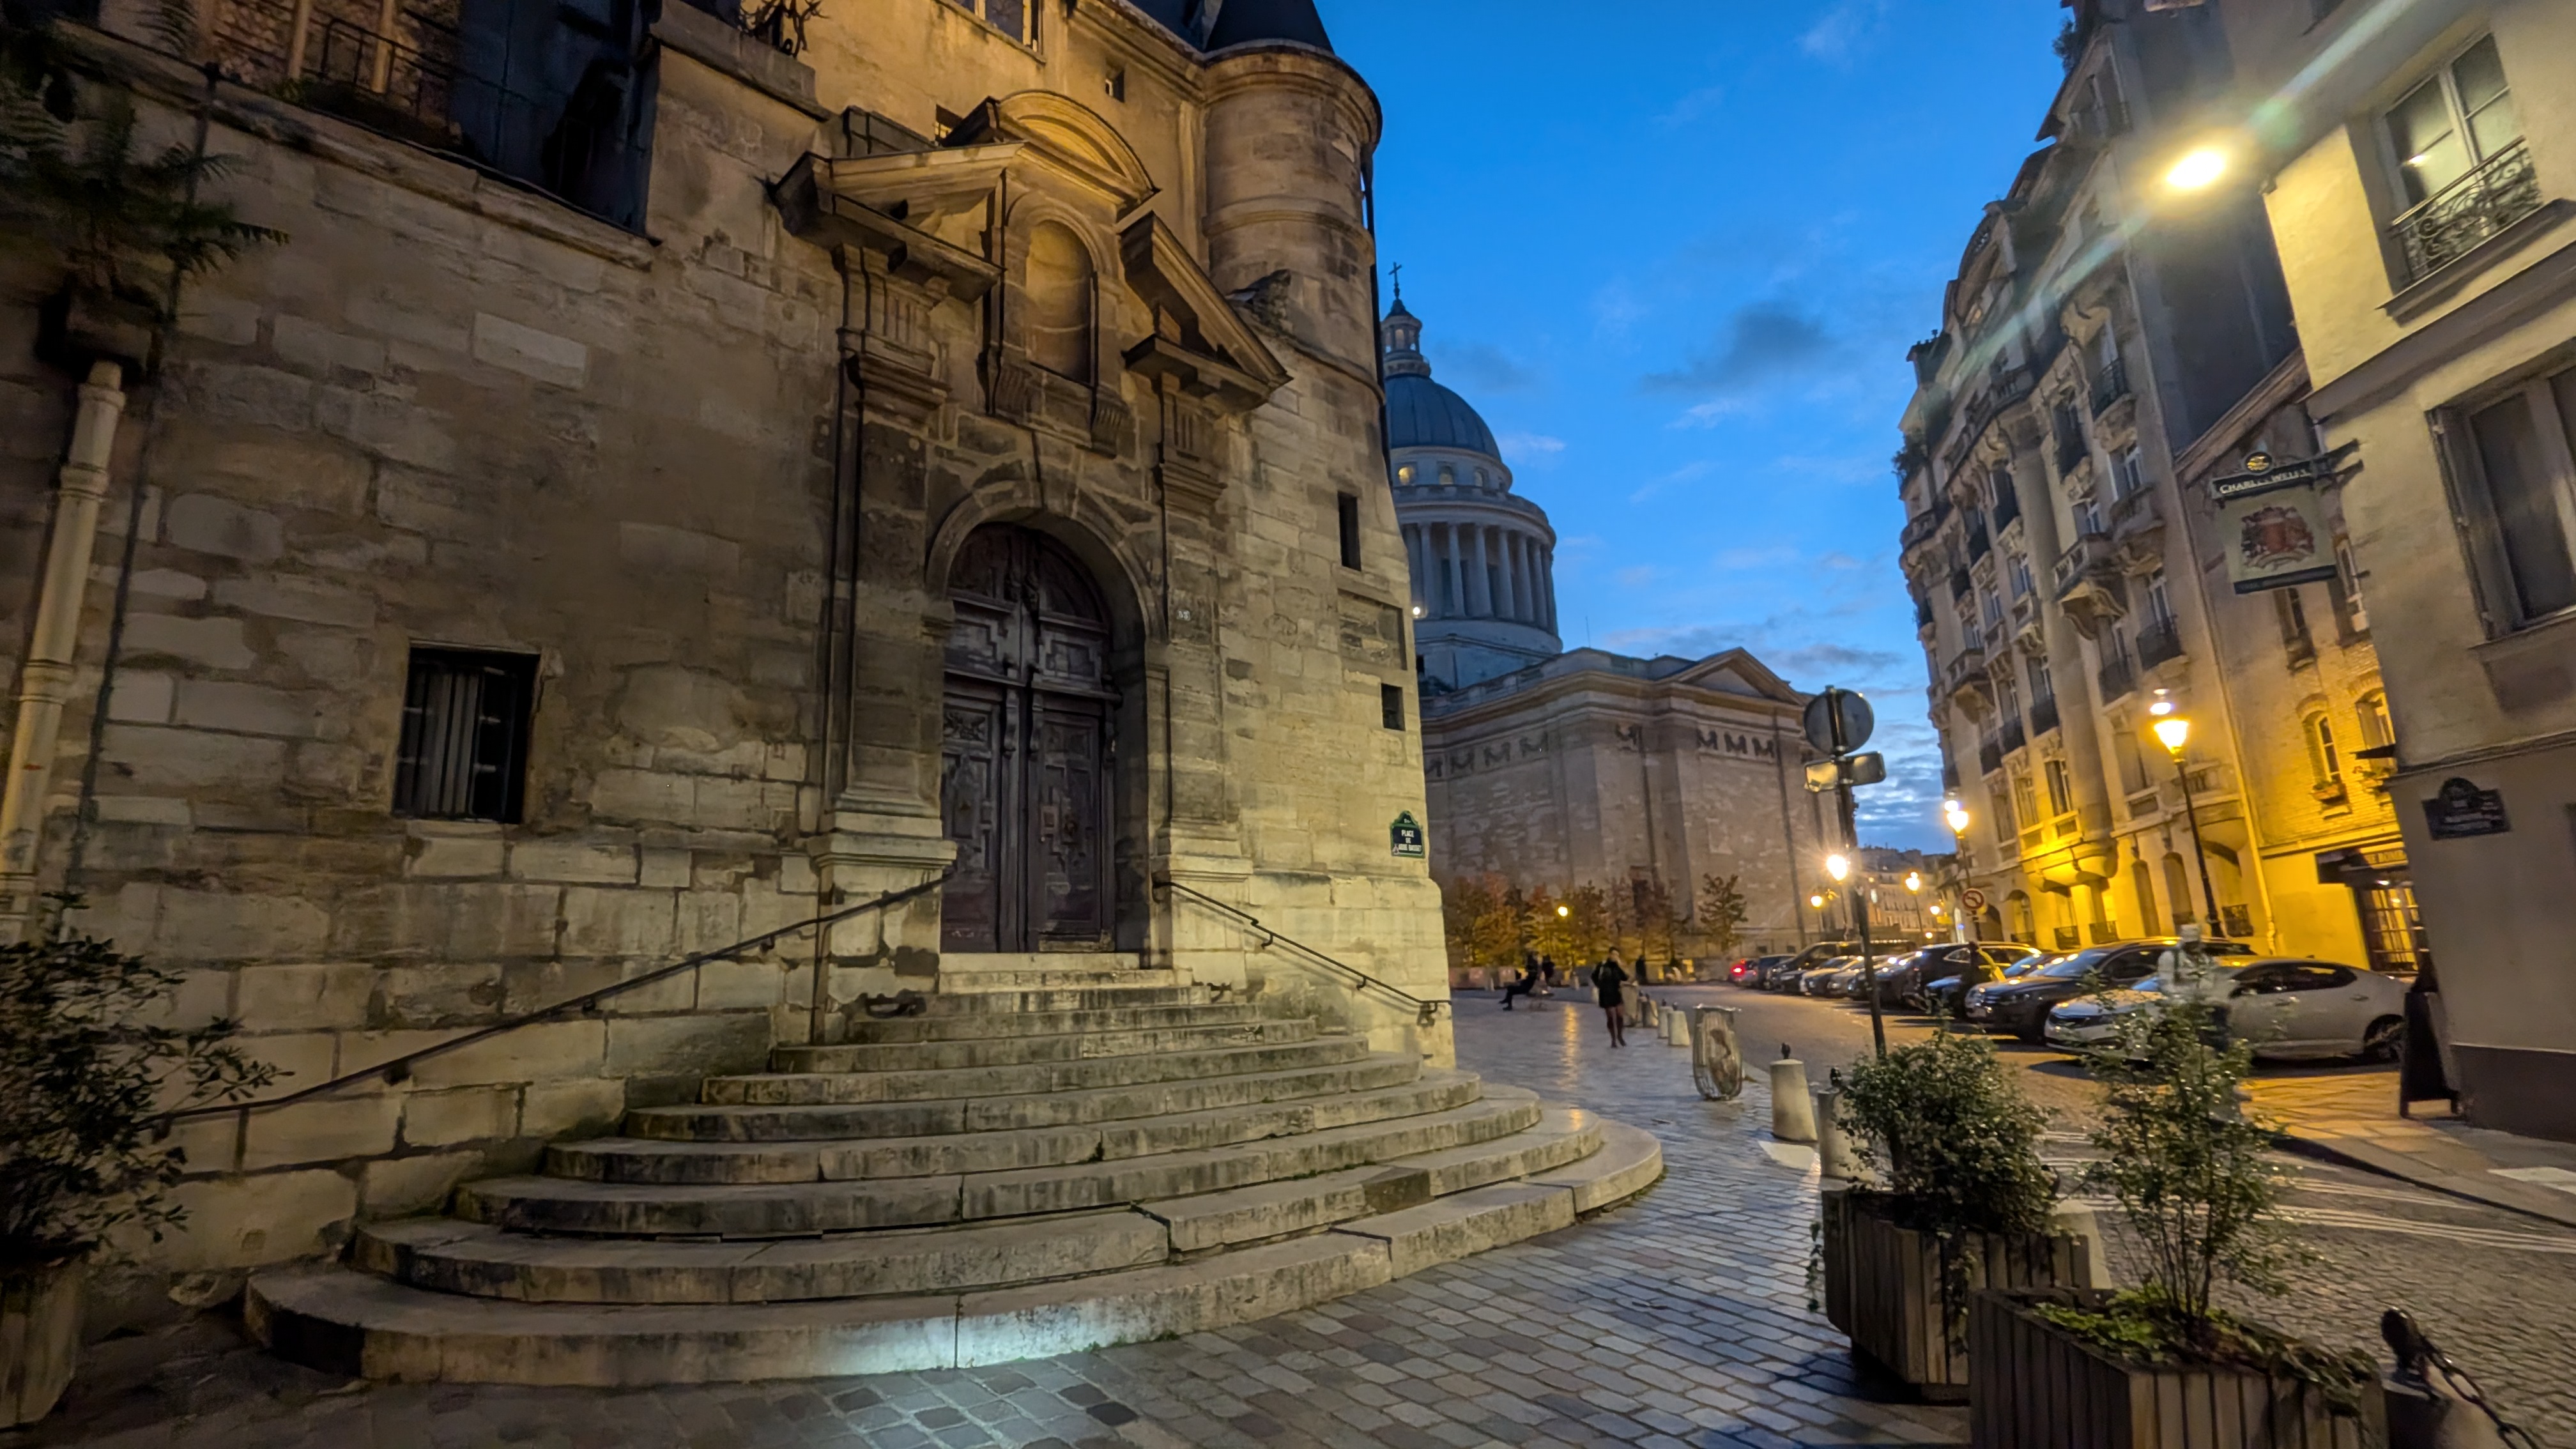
2272, 521
1405, 837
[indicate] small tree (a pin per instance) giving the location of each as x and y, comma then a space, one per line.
1658, 923
1463, 903
1946, 1130
1721, 914
1580, 935
84, 1082
2188, 1169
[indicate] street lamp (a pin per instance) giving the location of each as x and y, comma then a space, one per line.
1564, 911
1838, 866
1914, 882
2197, 169
1957, 815
2173, 731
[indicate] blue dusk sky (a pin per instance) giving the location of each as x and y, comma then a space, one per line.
1675, 255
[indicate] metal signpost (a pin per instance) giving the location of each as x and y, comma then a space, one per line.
1838, 722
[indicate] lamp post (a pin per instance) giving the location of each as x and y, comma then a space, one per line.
1839, 866
1914, 888
2174, 732
1957, 815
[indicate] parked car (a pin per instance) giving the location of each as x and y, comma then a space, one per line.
1897, 974
2021, 1006
2288, 1008
1784, 973
1749, 971
1813, 980
1974, 965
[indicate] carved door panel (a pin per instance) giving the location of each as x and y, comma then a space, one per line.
1026, 756
977, 773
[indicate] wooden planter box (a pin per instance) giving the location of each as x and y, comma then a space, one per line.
39, 1340
2033, 1386
1883, 1287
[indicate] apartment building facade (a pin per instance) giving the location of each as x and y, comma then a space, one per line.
2110, 345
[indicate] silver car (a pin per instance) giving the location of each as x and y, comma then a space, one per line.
2289, 1008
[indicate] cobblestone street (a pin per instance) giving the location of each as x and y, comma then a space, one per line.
1678, 1320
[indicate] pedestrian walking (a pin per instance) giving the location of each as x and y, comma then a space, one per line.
1547, 976
1527, 983
1608, 980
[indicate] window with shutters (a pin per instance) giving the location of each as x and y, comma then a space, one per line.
465, 725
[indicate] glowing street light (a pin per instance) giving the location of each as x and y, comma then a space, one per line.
2173, 731
1838, 866
1816, 901
1564, 911
1914, 882
1957, 815
2197, 169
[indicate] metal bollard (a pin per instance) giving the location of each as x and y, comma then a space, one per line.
1793, 1112
1834, 1155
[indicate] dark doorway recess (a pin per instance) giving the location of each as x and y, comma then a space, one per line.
1026, 753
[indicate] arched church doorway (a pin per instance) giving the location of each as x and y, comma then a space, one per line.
1025, 757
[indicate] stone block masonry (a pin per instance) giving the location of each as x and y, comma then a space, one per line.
697, 490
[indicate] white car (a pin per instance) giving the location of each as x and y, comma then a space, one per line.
2288, 1008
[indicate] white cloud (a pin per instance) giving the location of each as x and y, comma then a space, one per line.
1839, 30
1527, 448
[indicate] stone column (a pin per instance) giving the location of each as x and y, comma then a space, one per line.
1547, 584
1448, 600
1512, 576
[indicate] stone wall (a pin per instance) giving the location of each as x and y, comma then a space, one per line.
450, 411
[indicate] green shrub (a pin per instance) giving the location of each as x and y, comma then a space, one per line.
86, 1083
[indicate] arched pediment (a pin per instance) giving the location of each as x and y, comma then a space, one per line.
1070, 136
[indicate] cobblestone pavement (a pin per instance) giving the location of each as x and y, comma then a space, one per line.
2496, 1289
1678, 1320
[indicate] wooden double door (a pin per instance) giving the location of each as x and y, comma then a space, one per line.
1026, 756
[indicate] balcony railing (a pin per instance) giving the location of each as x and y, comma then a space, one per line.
564, 106
2110, 385
2043, 715
2068, 938
2117, 677
2105, 932
1920, 527
2011, 736
2089, 552
2158, 641
2236, 921
2454, 220
2072, 450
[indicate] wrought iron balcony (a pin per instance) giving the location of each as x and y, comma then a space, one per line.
2117, 678
2110, 385
1965, 676
2043, 715
2158, 641
2011, 735
2452, 222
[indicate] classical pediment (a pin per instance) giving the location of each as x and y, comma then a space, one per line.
882, 203
1068, 137
1199, 338
1737, 672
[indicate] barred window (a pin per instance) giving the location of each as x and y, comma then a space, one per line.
465, 725
1390, 705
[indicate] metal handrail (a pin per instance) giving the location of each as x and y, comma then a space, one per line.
1425, 1012
400, 1067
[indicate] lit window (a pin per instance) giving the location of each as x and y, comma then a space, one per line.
2025, 803
2376, 731
2323, 757
2061, 788
2449, 124
1404, 474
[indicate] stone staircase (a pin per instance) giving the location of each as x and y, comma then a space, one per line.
1057, 1155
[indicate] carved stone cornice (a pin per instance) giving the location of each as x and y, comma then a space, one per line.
886, 337
854, 204
1199, 341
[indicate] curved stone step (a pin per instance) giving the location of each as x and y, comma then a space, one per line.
459, 1257
979, 1024
1038, 974
447, 1256
777, 1210
640, 1160
354, 1323
1033, 1047
1032, 1000
804, 1088
1006, 1113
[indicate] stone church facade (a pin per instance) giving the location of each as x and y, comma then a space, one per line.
1556, 769
953, 450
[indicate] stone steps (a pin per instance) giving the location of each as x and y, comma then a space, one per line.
357, 1323
793, 1209
638, 1160
489, 1262
797, 1084
982, 1024
1012, 1051
725, 1123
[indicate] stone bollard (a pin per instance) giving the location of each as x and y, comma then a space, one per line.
1717, 1065
1834, 1155
1793, 1112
